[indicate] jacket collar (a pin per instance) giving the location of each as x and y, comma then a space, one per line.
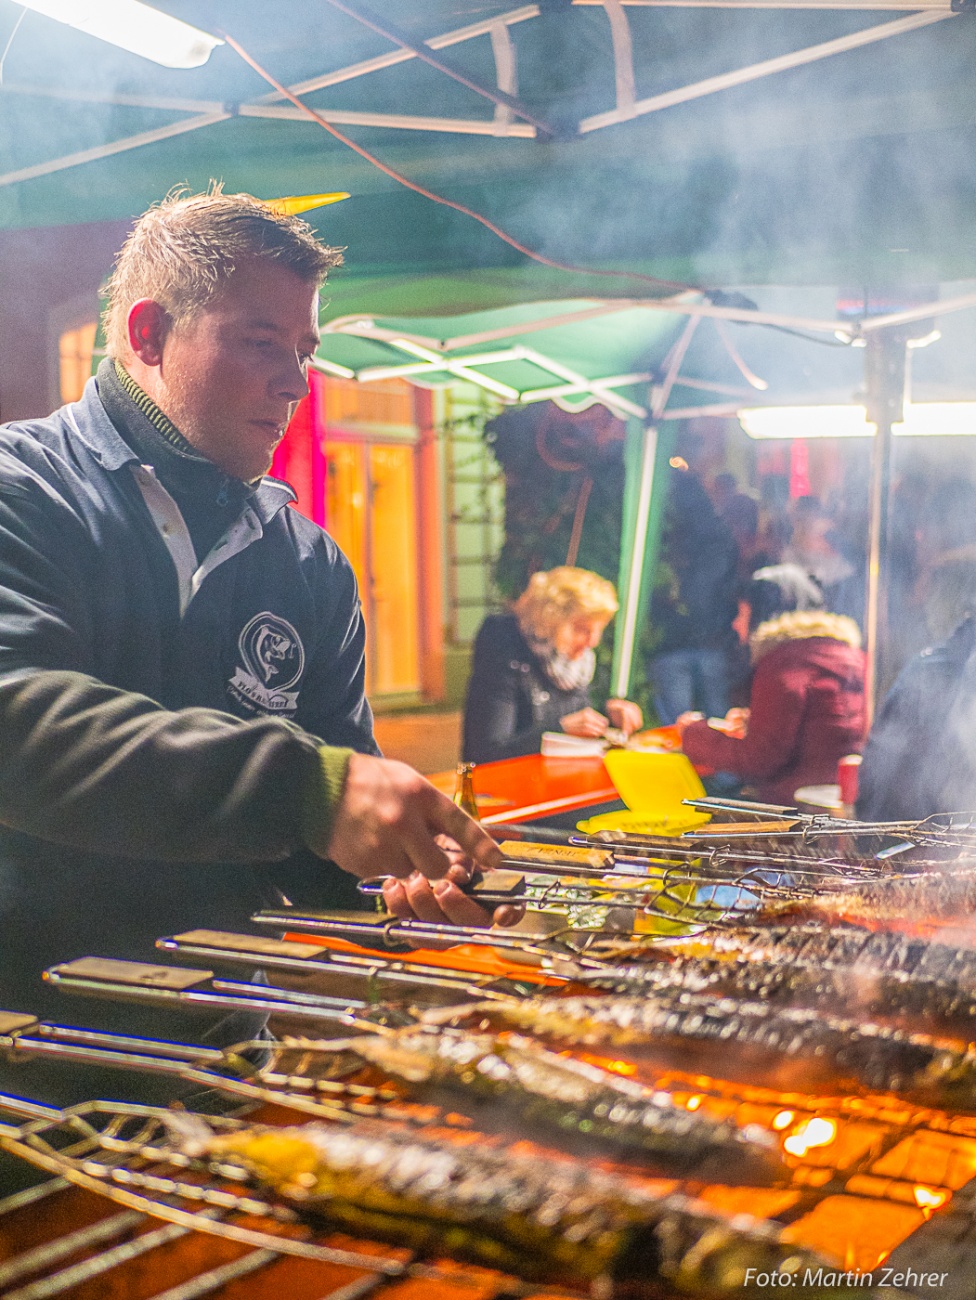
802, 625
89, 420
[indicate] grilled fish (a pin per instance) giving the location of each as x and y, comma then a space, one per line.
882, 973
936, 895
510, 1079
550, 1221
785, 1047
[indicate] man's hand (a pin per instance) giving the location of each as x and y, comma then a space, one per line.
444, 900
625, 715
587, 722
388, 820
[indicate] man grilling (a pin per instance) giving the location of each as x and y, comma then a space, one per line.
182, 712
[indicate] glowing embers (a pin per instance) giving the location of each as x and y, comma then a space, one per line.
814, 1132
928, 1200
860, 1232
930, 1159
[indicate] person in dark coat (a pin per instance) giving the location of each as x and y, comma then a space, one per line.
806, 705
920, 757
184, 734
533, 666
693, 606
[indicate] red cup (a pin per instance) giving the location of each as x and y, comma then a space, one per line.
847, 774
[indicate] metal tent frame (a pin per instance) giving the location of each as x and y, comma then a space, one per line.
201, 114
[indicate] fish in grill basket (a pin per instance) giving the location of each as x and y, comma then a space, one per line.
936, 895
879, 972
782, 1046
506, 1080
553, 1221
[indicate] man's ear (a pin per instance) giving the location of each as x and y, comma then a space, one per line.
148, 324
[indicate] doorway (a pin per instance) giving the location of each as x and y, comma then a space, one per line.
371, 512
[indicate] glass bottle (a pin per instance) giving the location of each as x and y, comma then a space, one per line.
464, 790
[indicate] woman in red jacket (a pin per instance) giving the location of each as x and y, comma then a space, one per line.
806, 705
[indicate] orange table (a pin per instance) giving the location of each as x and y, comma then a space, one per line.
523, 789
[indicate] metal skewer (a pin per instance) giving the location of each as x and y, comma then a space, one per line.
378, 930
219, 947
194, 990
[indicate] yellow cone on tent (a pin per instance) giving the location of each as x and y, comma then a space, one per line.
293, 204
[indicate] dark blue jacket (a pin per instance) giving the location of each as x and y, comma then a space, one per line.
920, 758
158, 722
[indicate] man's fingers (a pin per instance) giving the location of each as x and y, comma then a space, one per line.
460, 872
473, 839
508, 914
395, 898
443, 902
423, 851
424, 898
457, 907
393, 862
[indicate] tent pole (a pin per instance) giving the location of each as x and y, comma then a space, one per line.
647, 451
884, 365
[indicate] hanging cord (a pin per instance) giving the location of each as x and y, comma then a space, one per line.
752, 379
586, 487
439, 198
549, 457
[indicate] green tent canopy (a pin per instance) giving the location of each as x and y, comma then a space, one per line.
784, 144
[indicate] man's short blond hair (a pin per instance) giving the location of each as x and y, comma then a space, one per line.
183, 249
555, 596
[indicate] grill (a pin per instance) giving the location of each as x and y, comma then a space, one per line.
877, 1183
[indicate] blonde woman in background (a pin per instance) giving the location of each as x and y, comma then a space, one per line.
533, 667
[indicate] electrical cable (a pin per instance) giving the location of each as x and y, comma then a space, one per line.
798, 334
439, 198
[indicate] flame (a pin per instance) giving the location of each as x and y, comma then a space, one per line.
927, 1198
626, 1068
694, 1102
784, 1119
813, 1133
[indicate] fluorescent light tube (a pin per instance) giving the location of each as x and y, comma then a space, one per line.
133, 26
922, 419
805, 422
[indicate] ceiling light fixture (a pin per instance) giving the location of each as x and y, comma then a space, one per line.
135, 27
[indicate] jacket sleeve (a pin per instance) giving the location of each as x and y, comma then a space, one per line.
94, 767
491, 711
776, 706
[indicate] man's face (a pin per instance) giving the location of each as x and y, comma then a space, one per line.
230, 376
